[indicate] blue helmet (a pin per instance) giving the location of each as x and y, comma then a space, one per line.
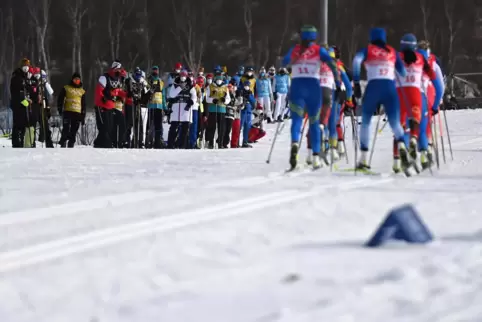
378, 34
218, 69
408, 41
308, 33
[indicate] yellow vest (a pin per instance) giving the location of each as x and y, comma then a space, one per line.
73, 99
157, 96
252, 82
218, 92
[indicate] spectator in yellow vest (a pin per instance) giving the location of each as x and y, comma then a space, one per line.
71, 105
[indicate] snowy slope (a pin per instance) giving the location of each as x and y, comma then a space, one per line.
185, 236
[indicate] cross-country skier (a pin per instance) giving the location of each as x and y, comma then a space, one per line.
305, 95
337, 104
430, 103
409, 93
380, 61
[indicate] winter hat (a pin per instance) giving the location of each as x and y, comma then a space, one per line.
378, 34
308, 33
408, 41
24, 62
76, 75
116, 64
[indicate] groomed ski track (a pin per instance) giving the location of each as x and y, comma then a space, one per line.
125, 235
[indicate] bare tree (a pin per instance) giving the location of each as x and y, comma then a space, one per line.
248, 23
39, 11
192, 23
286, 23
119, 11
76, 11
453, 27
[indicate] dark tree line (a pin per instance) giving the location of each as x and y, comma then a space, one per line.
63, 36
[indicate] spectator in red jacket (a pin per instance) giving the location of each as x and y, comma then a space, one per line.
107, 91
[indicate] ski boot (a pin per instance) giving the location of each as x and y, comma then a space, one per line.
362, 164
405, 161
425, 160
309, 158
412, 150
396, 165
294, 156
245, 145
317, 164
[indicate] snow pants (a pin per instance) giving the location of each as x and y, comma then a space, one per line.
215, 123
193, 131
235, 132
305, 96
228, 126
265, 102
280, 105
423, 137
70, 126
118, 129
380, 91
104, 120
156, 116
410, 108
246, 125
178, 135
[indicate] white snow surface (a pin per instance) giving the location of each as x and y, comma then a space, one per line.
91, 235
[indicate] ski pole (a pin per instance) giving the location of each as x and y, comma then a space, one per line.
441, 137
375, 135
435, 141
355, 138
448, 134
274, 141
383, 127
343, 142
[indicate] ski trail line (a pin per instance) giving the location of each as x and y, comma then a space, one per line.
63, 247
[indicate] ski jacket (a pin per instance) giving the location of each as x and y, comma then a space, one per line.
106, 92
217, 97
251, 80
156, 94
263, 88
72, 99
246, 100
282, 83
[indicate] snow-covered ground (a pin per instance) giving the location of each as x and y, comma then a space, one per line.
90, 235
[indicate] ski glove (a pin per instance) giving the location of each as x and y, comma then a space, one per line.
24, 103
215, 101
223, 99
435, 111
189, 104
357, 90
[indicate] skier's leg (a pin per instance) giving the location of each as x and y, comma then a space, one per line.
74, 127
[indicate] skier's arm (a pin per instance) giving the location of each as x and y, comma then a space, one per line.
439, 73
325, 57
287, 58
358, 60
400, 66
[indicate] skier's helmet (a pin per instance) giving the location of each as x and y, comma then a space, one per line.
308, 33
408, 41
